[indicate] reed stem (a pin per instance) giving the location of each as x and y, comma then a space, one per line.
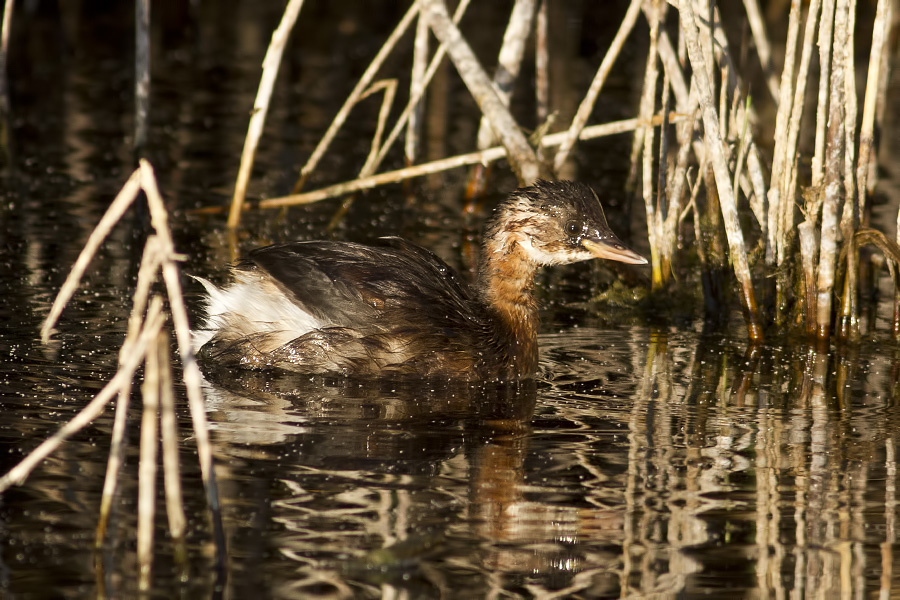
271, 64
719, 163
520, 154
587, 104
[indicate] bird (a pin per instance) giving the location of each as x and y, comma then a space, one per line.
393, 309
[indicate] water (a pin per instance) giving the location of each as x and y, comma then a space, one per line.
646, 461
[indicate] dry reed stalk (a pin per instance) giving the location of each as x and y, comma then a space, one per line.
707, 42
825, 39
509, 61
141, 73
520, 154
390, 89
114, 463
763, 50
587, 104
271, 63
356, 93
4, 55
759, 200
743, 148
806, 232
542, 63
444, 164
777, 240
168, 424
881, 104
150, 261
663, 207
112, 215
147, 464
851, 112
874, 76
848, 320
719, 162
676, 193
416, 98
416, 89
685, 102
644, 138
834, 167
724, 122
190, 370
787, 189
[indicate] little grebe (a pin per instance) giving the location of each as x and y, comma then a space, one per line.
395, 309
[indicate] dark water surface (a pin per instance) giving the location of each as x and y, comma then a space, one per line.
646, 461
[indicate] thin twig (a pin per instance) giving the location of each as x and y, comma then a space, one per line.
758, 28
115, 211
150, 262
880, 31
190, 370
417, 85
509, 61
363, 84
483, 157
261, 106
587, 104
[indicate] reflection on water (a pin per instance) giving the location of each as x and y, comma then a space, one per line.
637, 469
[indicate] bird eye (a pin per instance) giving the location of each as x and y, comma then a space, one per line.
574, 228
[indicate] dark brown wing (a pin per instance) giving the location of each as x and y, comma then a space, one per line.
372, 288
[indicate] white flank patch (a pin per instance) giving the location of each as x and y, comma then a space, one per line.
252, 305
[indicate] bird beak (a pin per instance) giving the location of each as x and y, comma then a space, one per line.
612, 249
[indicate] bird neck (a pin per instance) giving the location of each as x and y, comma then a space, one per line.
507, 287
